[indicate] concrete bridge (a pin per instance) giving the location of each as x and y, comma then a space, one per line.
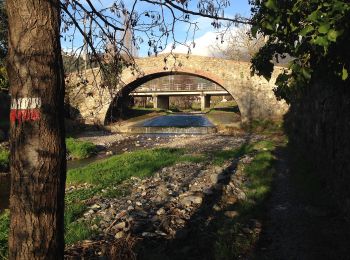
253, 95
161, 95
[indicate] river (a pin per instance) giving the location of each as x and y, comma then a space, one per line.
128, 144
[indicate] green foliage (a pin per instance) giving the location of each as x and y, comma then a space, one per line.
80, 149
118, 168
4, 158
4, 226
315, 33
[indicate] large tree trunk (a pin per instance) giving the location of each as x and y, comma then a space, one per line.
38, 166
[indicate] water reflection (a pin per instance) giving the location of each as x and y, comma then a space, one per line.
178, 121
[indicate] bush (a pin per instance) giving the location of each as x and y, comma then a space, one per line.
80, 149
4, 159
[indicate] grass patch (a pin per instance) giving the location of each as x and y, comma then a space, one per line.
4, 159
4, 227
233, 241
219, 157
80, 149
78, 231
263, 126
118, 168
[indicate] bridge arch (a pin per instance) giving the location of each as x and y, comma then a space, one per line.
133, 83
253, 94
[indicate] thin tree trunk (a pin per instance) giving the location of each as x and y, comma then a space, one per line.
38, 166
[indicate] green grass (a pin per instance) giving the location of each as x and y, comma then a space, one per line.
118, 168
231, 242
263, 126
80, 149
4, 226
4, 158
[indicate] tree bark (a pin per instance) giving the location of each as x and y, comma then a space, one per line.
38, 165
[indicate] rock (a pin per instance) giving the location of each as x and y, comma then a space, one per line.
121, 214
230, 200
231, 214
120, 225
138, 203
144, 193
119, 235
94, 227
160, 211
95, 207
218, 169
90, 212
215, 178
188, 200
216, 207
148, 234
208, 191
109, 153
130, 208
241, 195
158, 232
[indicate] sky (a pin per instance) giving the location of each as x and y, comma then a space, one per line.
204, 37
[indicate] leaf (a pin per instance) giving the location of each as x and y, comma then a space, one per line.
324, 28
306, 73
313, 16
306, 30
321, 40
332, 35
271, 4
345, 74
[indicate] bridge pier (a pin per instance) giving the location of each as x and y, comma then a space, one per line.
161, 102
205, 102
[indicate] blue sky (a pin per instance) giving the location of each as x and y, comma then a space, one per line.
203, 37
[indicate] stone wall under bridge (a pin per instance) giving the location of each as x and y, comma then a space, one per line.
254, 95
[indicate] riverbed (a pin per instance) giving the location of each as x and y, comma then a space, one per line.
120, 143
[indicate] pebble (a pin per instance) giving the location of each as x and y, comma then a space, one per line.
160, 211
120, 225
231, 214
119, 235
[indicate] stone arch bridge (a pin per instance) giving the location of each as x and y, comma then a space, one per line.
254, 95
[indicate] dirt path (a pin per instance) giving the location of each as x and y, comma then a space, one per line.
302, 222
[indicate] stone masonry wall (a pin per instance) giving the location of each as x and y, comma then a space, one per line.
254, 95
318, 125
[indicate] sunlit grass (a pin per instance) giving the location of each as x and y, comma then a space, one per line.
4, 227
80, 149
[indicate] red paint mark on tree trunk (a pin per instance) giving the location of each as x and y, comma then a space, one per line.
22, 115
